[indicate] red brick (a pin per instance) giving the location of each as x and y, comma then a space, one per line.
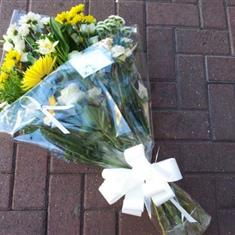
213, 14
99, 222
7, 8
225, 191
52, 7
64, 205
226, 221
202, 190
58, 166
181, 125
192, 82
6, 153
222, 111
22, 222
171, 14
231, 26
5, 188
134, 17
221, 68
30, 177
163, 95
129, 225
93, 198
161, 54
101, 9
208, 157
202, 41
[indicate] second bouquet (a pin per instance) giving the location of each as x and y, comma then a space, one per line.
75, 87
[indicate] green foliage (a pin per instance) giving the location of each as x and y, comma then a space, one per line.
11, 89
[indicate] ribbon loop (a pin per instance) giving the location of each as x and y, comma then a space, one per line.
143, 183
28, 102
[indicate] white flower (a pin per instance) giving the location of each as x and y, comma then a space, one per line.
24, 57
118, 51
45, 46
24, 30
19, 44
45, 20
32, 19
94, 92
106, 43
71, 95
7, 46
87, 28
12, 31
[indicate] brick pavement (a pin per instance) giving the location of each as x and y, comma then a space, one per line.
190, 46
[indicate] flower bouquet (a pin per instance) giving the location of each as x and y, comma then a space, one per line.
75, 87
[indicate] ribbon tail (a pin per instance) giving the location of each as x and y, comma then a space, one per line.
183, 211
56, 122
133, 203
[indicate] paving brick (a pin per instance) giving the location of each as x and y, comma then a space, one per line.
222, 108
99, 222
129, 225
6, 153
30, 177
221, 68
208, 157
230, 2
58, 166
163, 95
5, 188
186, 1
101, 9
181, 125
202, 41
213, 14
64, 205
135, 16
171, 14
202, 189
192, 82
22, 222
231, 25
7, 8
52, 7
226, 224
225, 191
161, 54
92, 197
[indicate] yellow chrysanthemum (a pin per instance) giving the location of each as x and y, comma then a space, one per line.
77, 9
35, 73
13, 55
62, 17
89, 19
77, 19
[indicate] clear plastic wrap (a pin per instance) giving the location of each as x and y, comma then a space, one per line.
92, 108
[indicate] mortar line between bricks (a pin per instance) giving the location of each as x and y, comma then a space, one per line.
28, 5
82, 209
47, 192
116, 4
216, 204
11, 194
196, 141
230, 32
201, 22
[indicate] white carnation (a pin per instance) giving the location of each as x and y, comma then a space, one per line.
71, 95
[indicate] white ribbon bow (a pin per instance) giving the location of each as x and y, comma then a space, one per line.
141, 184
34, 105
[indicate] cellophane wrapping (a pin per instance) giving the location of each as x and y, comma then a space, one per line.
105, 97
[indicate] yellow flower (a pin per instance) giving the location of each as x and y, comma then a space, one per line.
62, 17
13, 55
3, 77
36, 72
89, 19
77, 9
77, 19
